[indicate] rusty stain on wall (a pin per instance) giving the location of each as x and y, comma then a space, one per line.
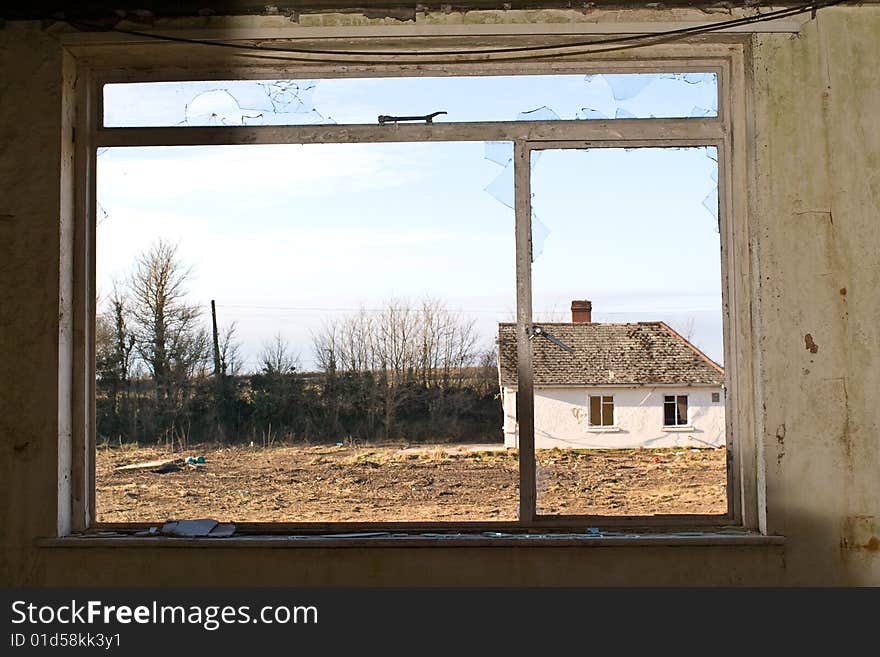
811, 346
860, 533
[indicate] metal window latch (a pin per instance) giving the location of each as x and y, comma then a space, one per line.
536, 331
427, 118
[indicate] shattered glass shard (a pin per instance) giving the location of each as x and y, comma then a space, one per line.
697, 78
711, 203
689, 78
625, 86
502, 187
500, 152
215, 107
291, 96
539, 114
540, 233
702, 111
588, 113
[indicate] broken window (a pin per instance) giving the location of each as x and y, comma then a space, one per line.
354, 290
627, 290
378, 303
477, 98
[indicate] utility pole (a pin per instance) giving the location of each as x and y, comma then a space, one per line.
218, 378
216, 341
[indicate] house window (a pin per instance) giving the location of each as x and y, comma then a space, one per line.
716, 397
601, 410
675, 410
503, 146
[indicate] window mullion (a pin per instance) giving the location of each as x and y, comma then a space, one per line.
525, 397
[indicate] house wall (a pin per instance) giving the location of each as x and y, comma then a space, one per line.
816, 178
562, 418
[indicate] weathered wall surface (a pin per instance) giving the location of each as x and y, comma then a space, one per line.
30, 207
818, 209
562, 419
817, 193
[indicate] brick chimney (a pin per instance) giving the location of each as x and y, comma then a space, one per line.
581, 312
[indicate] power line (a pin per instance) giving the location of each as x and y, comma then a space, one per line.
358, 309
613, 44
488, 311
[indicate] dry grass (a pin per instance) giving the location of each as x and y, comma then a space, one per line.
398, 483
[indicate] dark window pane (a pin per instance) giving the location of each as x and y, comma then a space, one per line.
669, 411
682, 409
596, 411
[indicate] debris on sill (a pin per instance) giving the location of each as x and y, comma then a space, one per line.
164, 466
152, 531
210, 528
203, 527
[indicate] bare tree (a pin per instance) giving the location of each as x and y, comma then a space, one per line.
169, 337
230, 351
276, 357
405, 347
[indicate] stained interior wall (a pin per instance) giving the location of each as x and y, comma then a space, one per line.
816, 193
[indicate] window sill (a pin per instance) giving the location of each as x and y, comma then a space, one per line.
719, 538
680, 427
614, 429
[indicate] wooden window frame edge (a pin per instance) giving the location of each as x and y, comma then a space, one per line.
76, 469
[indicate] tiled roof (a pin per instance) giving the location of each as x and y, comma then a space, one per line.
609, 354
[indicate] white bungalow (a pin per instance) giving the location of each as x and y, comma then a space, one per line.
607, 385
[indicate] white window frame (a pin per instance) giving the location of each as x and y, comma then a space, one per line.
601, 426
678, 424
725, 57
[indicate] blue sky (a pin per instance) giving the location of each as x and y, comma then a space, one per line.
287, 237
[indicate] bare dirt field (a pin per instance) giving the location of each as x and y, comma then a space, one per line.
399, 483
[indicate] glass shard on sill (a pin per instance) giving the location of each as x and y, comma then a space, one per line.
588, 113
698, 112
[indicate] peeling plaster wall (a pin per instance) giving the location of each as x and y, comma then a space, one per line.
818, 201
30, 207
815, 206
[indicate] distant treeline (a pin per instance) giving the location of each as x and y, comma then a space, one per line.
271, 407
412, 372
